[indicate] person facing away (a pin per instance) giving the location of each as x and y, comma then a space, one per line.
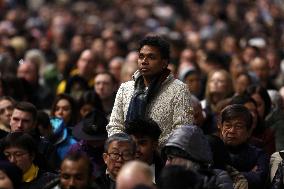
153, 93
133, 174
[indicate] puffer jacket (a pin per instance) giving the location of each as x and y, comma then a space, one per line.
191, 140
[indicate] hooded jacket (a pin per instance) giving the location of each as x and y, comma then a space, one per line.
190, 143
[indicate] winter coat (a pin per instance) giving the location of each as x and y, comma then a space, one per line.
252, 162
170, 108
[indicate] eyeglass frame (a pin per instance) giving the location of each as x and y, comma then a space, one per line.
120, 155
16, 155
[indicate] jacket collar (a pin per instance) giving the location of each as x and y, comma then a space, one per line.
138, 74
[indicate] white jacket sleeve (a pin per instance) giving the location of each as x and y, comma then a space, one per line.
116, 123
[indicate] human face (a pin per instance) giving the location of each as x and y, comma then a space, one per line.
21, 121
28, 71
85, 109
217, 83
5, 181
6, 110
234, 132
260, 104
241, 84
63, 110
74, 174
193, 83
85, 64
260, 68
114, 164
145, 148
104, 86
150, 62
19, 157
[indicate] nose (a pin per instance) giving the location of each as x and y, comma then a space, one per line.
71, 183
168, 162
12, 159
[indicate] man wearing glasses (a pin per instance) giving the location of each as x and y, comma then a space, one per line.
119, 149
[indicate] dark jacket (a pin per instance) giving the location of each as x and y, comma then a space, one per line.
194, 144
40, 181
252, 162
105, 182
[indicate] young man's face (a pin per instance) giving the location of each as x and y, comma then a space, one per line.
21, 121
145, 148
234, 132
150, 61
74, 174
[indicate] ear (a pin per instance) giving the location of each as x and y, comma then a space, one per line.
105, 157
155, 145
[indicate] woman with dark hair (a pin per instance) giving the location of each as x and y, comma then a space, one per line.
65, 107
19, 149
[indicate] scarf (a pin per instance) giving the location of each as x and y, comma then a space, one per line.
31, 174
142, 96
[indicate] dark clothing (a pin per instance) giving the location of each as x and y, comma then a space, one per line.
40, 181
252, 162
159, 165
55, 184
3, 134
105, 182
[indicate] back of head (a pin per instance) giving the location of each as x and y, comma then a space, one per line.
134, 173
176, 176
143, 127
192, 142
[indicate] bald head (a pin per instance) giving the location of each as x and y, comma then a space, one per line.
134, 173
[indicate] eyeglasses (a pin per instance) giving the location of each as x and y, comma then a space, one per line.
16, 155
124, 155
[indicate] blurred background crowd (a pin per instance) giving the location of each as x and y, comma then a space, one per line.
68, 57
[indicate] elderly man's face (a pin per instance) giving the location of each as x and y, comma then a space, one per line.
234, 132
118, 153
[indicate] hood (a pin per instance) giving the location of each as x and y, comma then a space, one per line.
191, 140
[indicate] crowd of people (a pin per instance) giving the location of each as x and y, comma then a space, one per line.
141, 94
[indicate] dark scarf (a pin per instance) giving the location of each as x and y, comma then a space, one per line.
142, 96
